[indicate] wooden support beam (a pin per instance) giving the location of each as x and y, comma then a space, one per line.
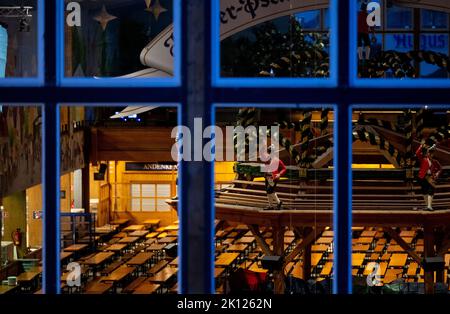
308, 237
278, 250
307, 232
429, 252
259, 239
323, 159
445, 245
408, 249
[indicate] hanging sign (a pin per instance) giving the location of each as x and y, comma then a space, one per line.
144, 166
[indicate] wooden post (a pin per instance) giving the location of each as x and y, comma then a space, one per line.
278, 250
307, 255
429, 252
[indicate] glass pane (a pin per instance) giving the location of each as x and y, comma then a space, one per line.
136, 190
437, 43
21, 204
399, 18
133, 154
148, 204
136, 204
280, 39
148, 190
434, 19
19, 39
131, 39
400, 174
163, 190
309, 19
162, 205
403, 50
297, 190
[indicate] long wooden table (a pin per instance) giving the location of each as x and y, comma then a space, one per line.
98, 258
163, 275
75, 248
140, 259
146, 288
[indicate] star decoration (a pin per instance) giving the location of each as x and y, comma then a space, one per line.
157, 9
148, 3
104, 17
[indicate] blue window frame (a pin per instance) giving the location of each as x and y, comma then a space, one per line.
199, 76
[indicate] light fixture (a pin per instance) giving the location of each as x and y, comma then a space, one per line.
24, 25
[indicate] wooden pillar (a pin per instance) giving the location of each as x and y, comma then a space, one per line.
429, 251
307, 256
438, 241
278, 250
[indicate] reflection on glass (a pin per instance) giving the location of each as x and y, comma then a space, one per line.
132, 39
18, 39
411, 42
280, 39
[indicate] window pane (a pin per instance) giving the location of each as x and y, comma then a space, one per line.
399, 18
148, 204
437, 43
392, 192
132, 39
163, 190
135, 204
283, 39
148, 190
404, 50
309, 19
162, 205
135, 190
19, 38
434, 19
21, 206
255, 193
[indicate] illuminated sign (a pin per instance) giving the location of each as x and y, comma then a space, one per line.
144, 166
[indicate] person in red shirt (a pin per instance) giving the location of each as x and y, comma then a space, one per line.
429, 171
272, 178
363, 33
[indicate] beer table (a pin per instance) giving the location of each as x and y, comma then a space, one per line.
75, 248
226, 259
98, 288
358, 259
152, 222
368, 233
167, 240
119, 274
5, 289
133, 228
118, 247
128, 240
138, 233
163, 275
98, 260
140, 259
398, 260
146, 288
65, 255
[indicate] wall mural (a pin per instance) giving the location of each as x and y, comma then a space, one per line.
21, 148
